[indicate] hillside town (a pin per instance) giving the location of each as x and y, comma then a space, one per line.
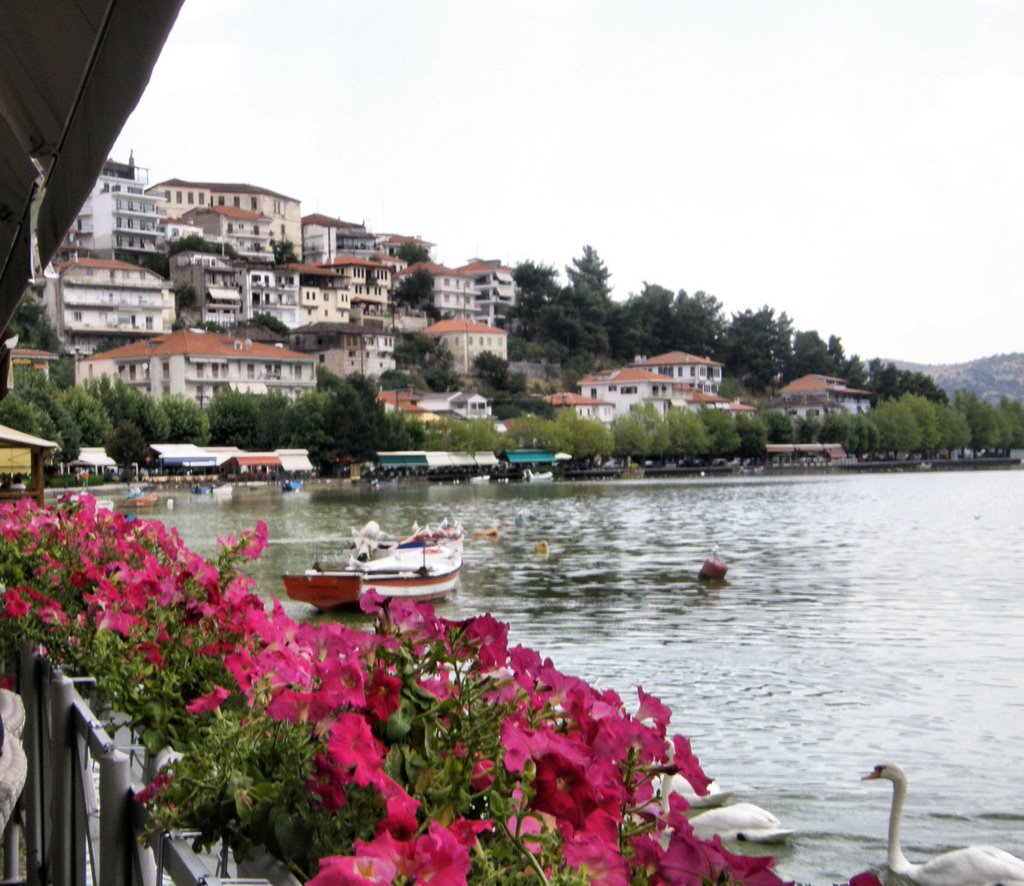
330, 284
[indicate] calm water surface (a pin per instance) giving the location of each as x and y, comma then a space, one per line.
865, 619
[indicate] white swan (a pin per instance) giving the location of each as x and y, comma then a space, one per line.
741, 821
674, 783
973, 866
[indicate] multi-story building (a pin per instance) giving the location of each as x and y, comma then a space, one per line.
93, 300
454, 294
325, 238
176, 196
171, 230
347, 348
494, 288
368, 283
698, 372
467, 340
389, 244
248, 233
629, 387
214, 284
271, 290
815, 396
584, 407
118, 219
324, 296
198, 364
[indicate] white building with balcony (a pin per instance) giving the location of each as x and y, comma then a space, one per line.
325, 238
700, 373
118, 219
197, 364
271, 290
494, 289
453, 291
248, 233
93, 300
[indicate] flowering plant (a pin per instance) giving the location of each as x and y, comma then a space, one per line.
427, 751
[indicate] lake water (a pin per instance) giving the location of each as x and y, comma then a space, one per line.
865, 619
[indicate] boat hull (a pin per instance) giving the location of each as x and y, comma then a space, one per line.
332, 589
139, 501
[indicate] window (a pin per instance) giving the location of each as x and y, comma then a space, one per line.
256, 229
250, 371
149, 323
78, 316
252, 203
231, 228
191, 197
220, 200
202, 198
237, 202
177, 196
167, 196
166, 367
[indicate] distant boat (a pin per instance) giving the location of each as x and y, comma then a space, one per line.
538, 477
291, 485
136, 498
199, 489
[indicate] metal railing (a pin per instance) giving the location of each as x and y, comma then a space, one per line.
77, 821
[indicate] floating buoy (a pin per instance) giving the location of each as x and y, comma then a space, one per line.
713, 568
170, 503
541, 549
492, 533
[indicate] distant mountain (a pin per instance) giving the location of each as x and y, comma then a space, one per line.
991, 378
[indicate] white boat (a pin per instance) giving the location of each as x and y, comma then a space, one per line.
481, 479
538, 477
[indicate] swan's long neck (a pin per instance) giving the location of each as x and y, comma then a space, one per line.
898, 863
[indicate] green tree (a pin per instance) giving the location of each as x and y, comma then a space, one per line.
954, 431
36, 388
807, 429
531, 432
835, 428
90, 415
401, 433
456, 435
537, 287
196, 243
582, 437
897, 427
753, 436
980, 419
642, 433
415, 291
309, 430
688, 436
699, 325
413, 253
127, 445
927, 421
186, 422
234, 419
779, 426
32, 324
721, 429
810, 356
758, 347
268, 322
643, 326
284, 251
864, 436
62, 372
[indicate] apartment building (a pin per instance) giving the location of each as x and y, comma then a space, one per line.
215, 286
494, 290
247, 233
93, 300
175, 197
325, 238
197, 364
467, 339
454, 295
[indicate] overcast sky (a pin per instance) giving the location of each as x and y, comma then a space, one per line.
858, 165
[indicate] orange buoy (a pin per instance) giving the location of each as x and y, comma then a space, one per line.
493, 533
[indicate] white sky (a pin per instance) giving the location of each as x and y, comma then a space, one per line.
858, 165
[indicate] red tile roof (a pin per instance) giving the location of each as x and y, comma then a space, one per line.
219, 187
676, 358
813, 384
353, 261
449, 327
190, 342
567, 398
103, 264
627, 373
432, 268
326, 221
402, 400
230, 212
475, 267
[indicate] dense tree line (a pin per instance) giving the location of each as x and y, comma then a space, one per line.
580, 327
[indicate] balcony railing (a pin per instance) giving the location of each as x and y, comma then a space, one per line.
77, 812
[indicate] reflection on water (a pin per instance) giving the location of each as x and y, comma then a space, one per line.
864, 619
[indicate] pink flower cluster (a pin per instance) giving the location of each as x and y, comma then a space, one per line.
475, 753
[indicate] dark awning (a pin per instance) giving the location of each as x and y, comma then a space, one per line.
402, 459
71, 71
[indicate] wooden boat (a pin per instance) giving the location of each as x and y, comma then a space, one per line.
418, 575
144, 500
